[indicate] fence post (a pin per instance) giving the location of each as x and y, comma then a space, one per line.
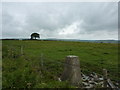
41, 60
72, 72
21, 49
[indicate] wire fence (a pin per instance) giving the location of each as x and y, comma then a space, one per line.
45, 62
54, 67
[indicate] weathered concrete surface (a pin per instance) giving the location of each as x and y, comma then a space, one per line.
72, 72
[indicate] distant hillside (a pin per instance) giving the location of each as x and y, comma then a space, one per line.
52, 39
94, 41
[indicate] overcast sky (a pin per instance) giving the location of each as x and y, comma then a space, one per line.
73, 20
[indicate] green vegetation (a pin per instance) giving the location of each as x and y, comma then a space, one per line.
42, 62
35, 35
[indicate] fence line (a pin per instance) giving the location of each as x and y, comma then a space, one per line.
43, 58
43, 61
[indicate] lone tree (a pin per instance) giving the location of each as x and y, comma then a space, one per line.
35, 35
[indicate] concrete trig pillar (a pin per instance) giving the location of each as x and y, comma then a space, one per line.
72, 72
105, 77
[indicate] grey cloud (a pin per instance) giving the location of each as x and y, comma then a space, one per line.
102, 18
21, 19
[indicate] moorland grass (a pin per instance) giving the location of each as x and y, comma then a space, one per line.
42, 62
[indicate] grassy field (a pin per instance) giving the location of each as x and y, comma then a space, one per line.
42, 62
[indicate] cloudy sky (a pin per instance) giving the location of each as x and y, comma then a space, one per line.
63, 20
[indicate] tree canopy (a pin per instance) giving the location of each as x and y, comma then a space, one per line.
35, 35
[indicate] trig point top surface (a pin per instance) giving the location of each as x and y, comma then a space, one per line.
72, 56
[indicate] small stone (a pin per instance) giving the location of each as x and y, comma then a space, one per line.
59, 79
86, 84
101, 79
96, 77
85, 78
95, 83
91, 75
83, 75
92, 79
117, 84
91, 86
91, 82
101, 83
87, 87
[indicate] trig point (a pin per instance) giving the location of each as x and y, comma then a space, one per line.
72, 72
